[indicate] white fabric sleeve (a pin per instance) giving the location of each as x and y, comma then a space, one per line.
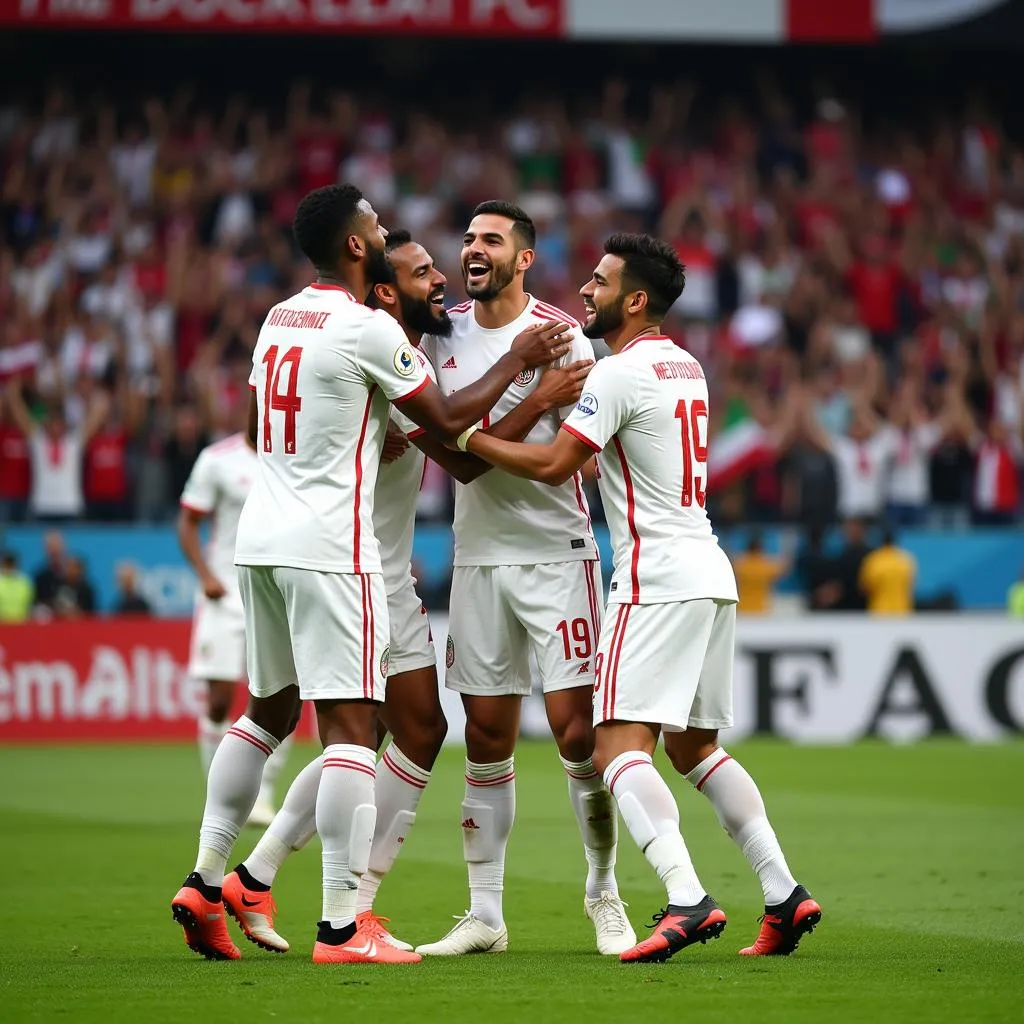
386, 357
604, 406
200, 493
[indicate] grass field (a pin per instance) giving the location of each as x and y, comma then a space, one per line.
916, 854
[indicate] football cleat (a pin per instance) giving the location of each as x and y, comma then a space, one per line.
369, 923
203, 921
254, 912
614, 932
362, 947
784, 925
675, 928
470, 935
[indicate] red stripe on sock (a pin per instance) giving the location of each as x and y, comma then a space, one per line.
581, 778
351, 766
625, 767
711, 771
257, 743
491, 782
402, 774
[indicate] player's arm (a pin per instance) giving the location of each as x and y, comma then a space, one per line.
558, 387
197, 501
549, 463
252, 428
18, 408
447, 416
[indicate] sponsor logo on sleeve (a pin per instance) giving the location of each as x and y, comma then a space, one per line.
405, 361
587, 404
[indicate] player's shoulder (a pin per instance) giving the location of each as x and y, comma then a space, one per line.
547, 311
226, 448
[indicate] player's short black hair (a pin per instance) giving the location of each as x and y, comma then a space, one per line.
523, 230
650, 265
396, 239
323, 221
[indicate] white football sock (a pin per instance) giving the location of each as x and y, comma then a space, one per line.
210, 734
595, 812
738, 804
293, 826
231, 789
488, 812
652, 817
274, 766
345, 815
400, 784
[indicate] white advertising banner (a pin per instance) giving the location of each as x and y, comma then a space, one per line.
839, 678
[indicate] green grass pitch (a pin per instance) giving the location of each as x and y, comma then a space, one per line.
916, 854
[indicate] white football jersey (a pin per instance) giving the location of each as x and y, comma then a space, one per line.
218, 485
645, 410
394, 504
501, 519
324, 369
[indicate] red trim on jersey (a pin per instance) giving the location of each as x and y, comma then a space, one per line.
355, 766
415, 391
625, 767
579, 437
252, 388
711, 771
257, 743
581, 502
402, 773
371, 659
646, 337
595, 617
357, 505
631, 520
413, 434
554, 313
322, 286
462, 307
611, 690
195, 508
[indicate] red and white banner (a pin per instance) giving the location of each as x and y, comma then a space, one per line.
750, 21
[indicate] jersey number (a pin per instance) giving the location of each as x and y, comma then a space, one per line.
287, 402
693, 451
578, 631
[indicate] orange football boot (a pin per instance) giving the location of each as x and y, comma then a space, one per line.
784, 925
254, 911
363, 947
203, 921
675, 928
373, 925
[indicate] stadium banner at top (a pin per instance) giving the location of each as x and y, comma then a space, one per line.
742, 21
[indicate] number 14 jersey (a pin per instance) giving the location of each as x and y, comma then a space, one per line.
325, 368
645, 411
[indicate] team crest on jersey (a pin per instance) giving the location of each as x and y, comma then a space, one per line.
587, 404
449, 653
405, 361
385, 661
524, 377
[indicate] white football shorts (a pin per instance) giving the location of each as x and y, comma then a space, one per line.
669, 664
412, 644
217, 648
501, 614
325, 631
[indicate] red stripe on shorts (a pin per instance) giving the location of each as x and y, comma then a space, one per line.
613, 668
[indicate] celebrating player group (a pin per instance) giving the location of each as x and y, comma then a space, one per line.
356, 381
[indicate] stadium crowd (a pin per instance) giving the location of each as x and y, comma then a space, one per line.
856, 295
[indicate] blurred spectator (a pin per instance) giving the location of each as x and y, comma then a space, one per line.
1015, 599
52, 574
129, 601
816, 572
16, 590
75, 596
997, 476
756, 576
847, 568
887, 578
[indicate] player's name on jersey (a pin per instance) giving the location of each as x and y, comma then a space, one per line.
674, 369
310, 319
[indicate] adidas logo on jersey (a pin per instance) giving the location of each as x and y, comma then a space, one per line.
450, 364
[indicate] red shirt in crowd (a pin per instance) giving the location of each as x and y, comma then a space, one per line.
106, 466
318, 160
876, 288
15, 464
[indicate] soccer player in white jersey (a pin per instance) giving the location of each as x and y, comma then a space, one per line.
526, 580
412, 708
666, 654
325, 368
216, 490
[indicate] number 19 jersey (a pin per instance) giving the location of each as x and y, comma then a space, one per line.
325, 368
645, 411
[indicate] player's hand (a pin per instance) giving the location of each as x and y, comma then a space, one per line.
213, 588
541, 344
396, 444
561, 386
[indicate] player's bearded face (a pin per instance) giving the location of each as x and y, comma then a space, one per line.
486, 279
426, 316
602, 320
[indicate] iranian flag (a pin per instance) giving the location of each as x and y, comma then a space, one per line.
741, 446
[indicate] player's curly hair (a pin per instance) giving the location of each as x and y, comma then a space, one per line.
523, 229
649, 265
396, 239
323, 221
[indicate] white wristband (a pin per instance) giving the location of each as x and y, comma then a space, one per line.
463, 439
